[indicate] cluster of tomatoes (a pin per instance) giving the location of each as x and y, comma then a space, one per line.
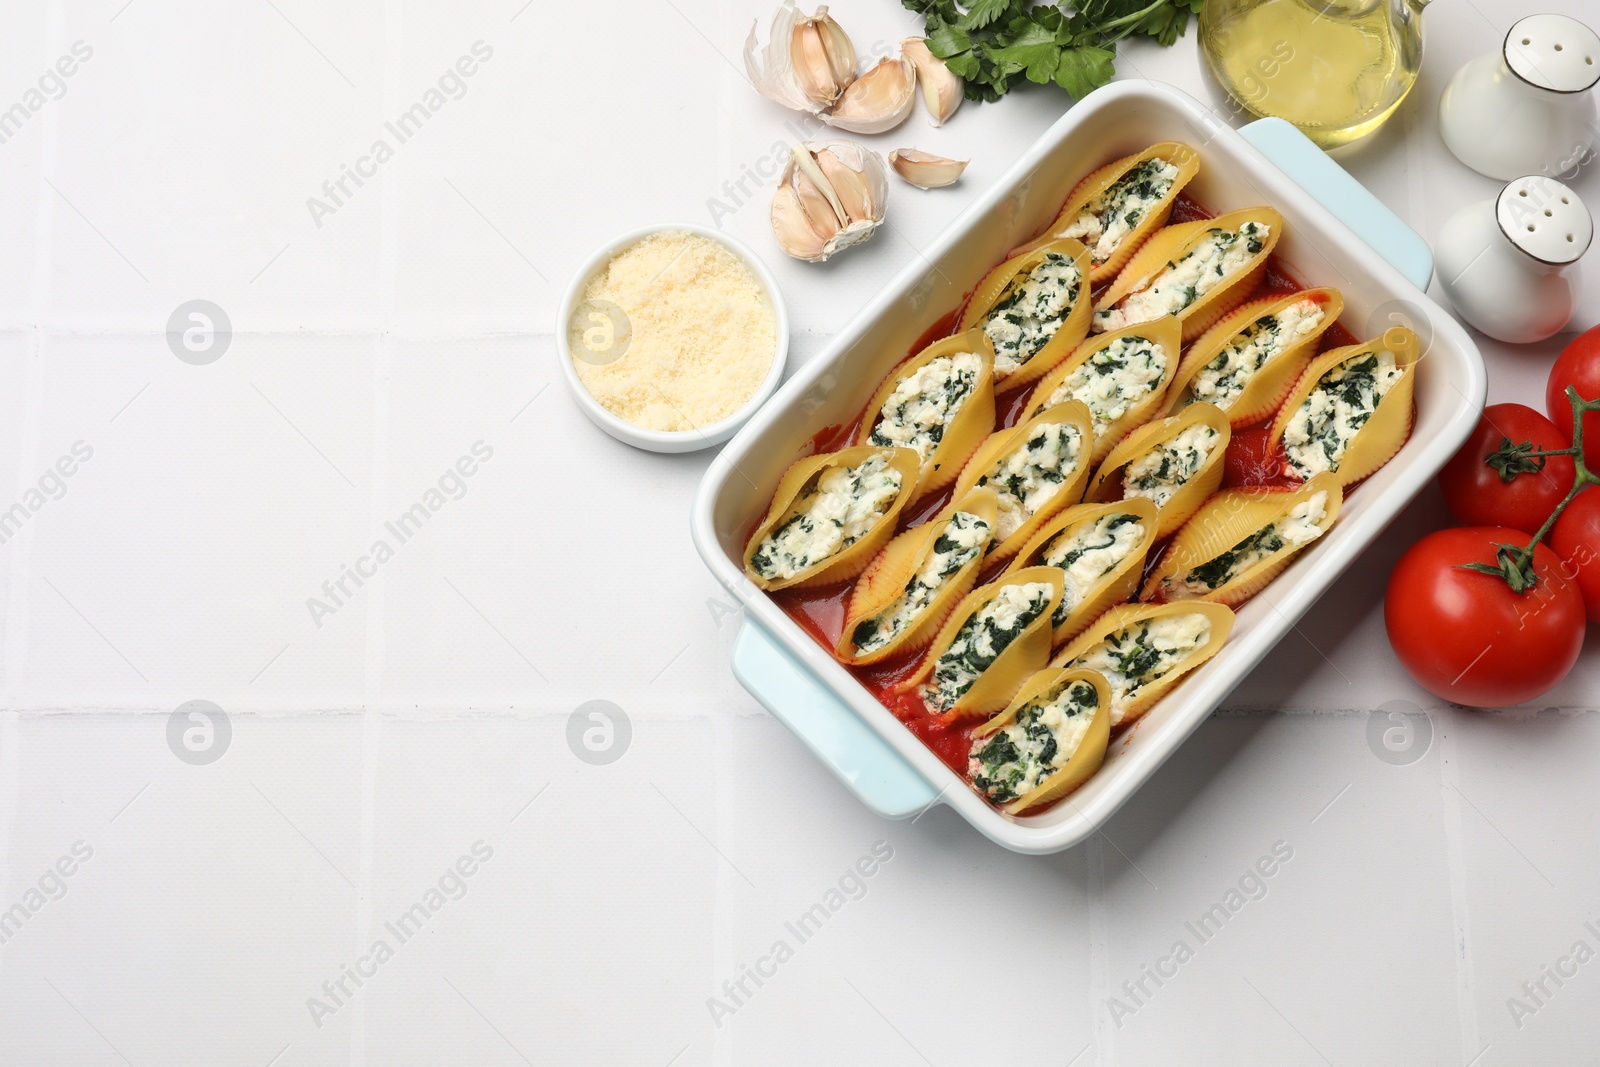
1474, 614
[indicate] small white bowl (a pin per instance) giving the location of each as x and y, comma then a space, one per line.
673, 440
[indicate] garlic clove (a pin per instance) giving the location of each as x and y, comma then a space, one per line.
924, 169
771, 67
830, 196
840, 50
793, 229
879, 100
850, 186
823, 58
817, 199
941, 90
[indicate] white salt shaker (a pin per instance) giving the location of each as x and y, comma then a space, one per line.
1527, 109
1503, 262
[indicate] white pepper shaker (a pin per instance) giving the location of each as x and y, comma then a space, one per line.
1504, 262
1527, 109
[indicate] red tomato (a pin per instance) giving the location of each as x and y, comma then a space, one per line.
1474, 491
1578, 365
1466, 636
1576, 539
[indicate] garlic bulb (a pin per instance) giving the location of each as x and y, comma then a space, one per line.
941, 90
879, 100
924, 169
830, 196
808, 60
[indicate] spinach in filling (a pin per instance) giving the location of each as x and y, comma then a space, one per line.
979, 641
1037, 743
1218, 571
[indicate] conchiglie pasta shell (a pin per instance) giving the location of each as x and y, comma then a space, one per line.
1165, 332
1269, 385
1091, 750
973, 421
1228, 518
1023, 657
1172, 243
1385, 432
851, 561
1129, 614
1074, 329
1118, 585
1002, 443
884, 581
1189, 496
1179, 155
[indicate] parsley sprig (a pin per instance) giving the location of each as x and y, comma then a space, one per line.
994, 42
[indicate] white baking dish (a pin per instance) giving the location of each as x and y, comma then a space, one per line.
1328, 214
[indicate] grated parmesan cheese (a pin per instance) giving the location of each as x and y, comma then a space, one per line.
703, 333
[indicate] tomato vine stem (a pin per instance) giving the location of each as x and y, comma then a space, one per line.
1514, 563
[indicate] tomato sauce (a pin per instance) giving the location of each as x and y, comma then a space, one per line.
821, 613
1250, 461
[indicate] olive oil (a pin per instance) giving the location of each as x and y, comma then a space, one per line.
1337, 69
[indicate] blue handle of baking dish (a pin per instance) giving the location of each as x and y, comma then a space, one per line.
850, 748
1314, 171
855, 753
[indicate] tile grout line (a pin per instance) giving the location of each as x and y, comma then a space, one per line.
19, 616
377, 481
724, 956
10, 791
1456, 861
1099, 952
723, 949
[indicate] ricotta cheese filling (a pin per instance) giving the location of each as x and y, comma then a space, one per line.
1030, 749
922, 404
1322, 428
979, 641
1297, 528
1217, 255
1142, 653
1115, 378
1106, 221
833, 512
1161, 472
1089, 552
1221, 381
1034, 307
958, 544
1028, 477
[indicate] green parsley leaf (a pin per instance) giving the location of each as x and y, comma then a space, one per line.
983, 12
1033, 50
1084, 69
991, 44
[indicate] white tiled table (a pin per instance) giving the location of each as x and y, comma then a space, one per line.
428, 714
